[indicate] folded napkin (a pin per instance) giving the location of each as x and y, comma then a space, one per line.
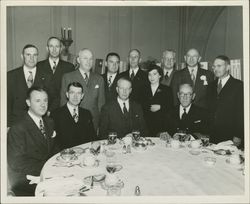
33, 179
225, 145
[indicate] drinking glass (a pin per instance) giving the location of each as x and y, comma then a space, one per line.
112, 136
136, 135
205, 140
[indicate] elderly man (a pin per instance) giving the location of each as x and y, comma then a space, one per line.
20, 80
138, 77
122, 115
225, 96
92, 83
111, 75
187, 117
55, 68
30, 143
194, 75
73, 124
168, 66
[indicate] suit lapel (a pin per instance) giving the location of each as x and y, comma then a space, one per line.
226, 87
22, 79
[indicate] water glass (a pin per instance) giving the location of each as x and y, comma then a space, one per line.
136, 135
112, 136
205, 140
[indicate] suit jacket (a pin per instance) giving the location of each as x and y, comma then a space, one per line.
167, 81
200, 88
197, 120
110, 92
69, 133
113, 120
163, 97
94, 97
17, 92
56, 79
139, 82
27, 152
226, 110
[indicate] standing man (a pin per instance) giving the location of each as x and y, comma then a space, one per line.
20, 80
73, 124
56, 68
111, 75
168, 66
196, 76
92, 83
30, 143
226, 104
138, 77
122, 115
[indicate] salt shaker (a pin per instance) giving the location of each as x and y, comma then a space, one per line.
124, 149
137, 191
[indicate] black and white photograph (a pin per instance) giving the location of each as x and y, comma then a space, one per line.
125, 101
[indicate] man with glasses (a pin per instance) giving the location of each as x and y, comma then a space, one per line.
187, 117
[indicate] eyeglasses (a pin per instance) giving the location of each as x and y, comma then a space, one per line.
185, 94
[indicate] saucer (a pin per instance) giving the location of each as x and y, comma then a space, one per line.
60, 159
96, 164
78, 150
195, 152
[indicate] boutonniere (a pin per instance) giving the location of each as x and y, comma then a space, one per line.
96, 86
204, 79
54, 134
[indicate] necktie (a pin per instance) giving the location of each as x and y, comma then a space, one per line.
54, 67
132, 75
109, 81
30, 80
42, 128
192, 76
86, 78
125, 110
75, 115
219, 87
184, 115
166, 75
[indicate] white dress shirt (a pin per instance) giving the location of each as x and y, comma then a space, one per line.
35, 118
195, 70
27, 72
71, 109
121, 103
83, 73
133, 70
51, 62
169, 71
181, 110
224, 80
113, 77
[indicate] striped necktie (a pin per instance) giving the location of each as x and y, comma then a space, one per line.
30, 80
42, 128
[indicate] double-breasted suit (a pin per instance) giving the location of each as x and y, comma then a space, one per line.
17, 92
27, 152
94, 96
203, 79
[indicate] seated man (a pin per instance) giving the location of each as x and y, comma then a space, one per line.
73, 124
186, 117
122, 115
30, 143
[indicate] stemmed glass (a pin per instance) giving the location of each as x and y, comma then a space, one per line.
112, 136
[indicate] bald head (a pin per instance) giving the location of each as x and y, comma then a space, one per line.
85, 59
192, 57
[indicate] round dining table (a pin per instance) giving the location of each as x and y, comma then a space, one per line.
160, 170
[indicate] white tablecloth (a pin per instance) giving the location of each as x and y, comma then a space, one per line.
161, 171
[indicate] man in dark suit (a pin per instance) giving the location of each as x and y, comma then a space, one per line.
225, 96
30, 143
169, 66
73, 124
18, 82
122, 115
138, 77
194, 75
111, 75
92, 83
187, 117
55, 68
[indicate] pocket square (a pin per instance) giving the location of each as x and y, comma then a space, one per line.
54, 134
137, 116
96, 86
197, 121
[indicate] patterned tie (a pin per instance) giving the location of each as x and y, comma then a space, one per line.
54, 67
192, 76
75, 115
184, 115
86, 78
125, 110
42, 128
30, 80
219, 87
132, 75
109, 81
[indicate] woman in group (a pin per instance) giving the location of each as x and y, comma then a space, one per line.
158, 99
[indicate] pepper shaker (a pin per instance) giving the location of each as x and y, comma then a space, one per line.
137, 191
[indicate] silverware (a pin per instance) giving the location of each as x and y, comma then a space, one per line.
92, 182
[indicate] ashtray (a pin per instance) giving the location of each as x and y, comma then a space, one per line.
210, 161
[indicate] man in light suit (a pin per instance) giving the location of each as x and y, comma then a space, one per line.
122, 115
30, 143
138, 77
225, 96
193, 74
20, 80
55, 68
92, 83
168, 66
73, 124
111, 75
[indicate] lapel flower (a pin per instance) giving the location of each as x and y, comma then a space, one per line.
96, 86
204, 79
54, 134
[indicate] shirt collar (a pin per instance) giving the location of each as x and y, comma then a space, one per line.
35, 118
51, 62
168, 70
26, 71
187, 108
121, 103
224, 80
83, 73
194, 68
135, 70
71, 108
